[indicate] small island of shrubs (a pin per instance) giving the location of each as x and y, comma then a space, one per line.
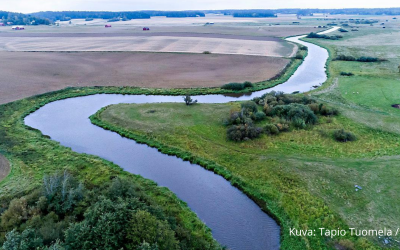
315, 35
282, 113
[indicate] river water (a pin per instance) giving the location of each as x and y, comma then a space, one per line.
236, 221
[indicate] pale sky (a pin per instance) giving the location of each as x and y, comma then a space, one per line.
28, 6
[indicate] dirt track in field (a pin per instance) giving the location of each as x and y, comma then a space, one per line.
31, 73
4, 167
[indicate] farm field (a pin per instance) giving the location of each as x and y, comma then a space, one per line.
303, 177
239, 53
151, 44
305, 167
28, 74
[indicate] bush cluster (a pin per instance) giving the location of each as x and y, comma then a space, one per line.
243, 132
283, 111
299, 114
315, 35
237, 86
343, 30
344, 136
64, 214
241, 123
346, 74
359, 59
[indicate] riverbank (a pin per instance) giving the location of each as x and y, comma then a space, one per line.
34, 155
277, 172
76, 92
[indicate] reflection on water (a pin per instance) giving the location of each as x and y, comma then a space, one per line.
237, 95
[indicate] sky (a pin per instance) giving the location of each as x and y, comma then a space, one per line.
29, 6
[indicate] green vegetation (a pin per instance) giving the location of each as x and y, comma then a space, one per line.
346, 74
306, 166
316, 35
11, 18
253, 13
285, 113
126, 15
188, 100
34, 156
286, 170
304, 179
117, 214
237, 86
360, 59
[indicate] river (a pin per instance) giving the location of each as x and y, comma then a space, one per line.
236, 221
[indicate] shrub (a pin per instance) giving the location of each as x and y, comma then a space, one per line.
299, 123
302, 47
294, 111
283, 126
360, 59
345, 58
233, 86
242, 117
243, 132
271, 129
346, 74
237, 86
343, 30
315, 35
249, 106
259, 116
328, 111
314, 107
344, 136
188, 100
299, 56
248, 84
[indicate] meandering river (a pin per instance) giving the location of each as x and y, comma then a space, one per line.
236, 221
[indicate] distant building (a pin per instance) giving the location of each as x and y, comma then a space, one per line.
18, 27
108, 26
146, 28
9, 23
2, 24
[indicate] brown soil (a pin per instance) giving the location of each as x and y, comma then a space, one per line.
4, 167
143, 34
25, 74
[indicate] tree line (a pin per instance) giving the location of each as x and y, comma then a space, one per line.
21, 19
126, 15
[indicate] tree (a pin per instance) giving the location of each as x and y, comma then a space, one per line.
27, 240
188, 100
145, 227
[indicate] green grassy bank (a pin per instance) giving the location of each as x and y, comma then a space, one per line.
303, 178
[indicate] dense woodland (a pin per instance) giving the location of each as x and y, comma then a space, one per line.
65, 213
176, 13
44, 17
21, 19
68, 15
307, 12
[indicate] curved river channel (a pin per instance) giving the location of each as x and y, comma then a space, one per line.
236, 221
